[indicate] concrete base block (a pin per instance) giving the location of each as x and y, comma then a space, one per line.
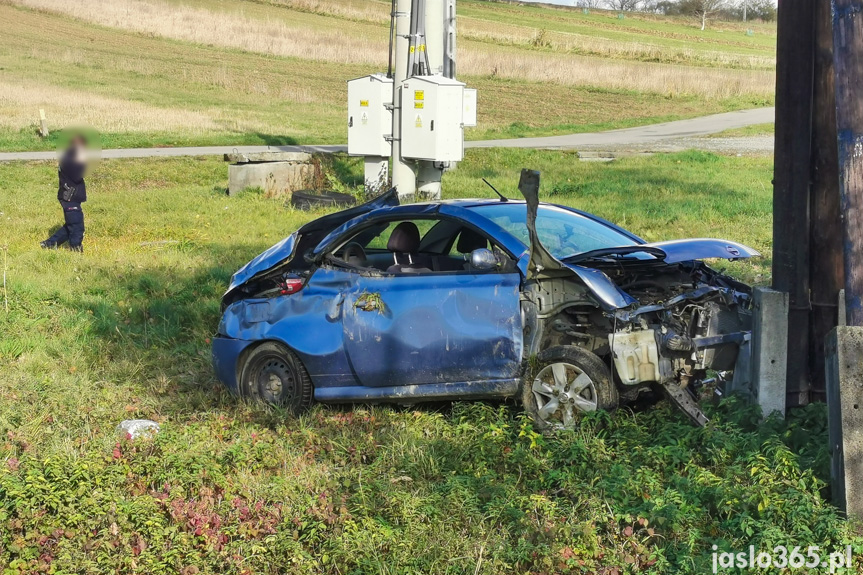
258, 157
770, 349
277, 179
844, 370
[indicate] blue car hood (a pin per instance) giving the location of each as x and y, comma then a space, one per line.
677, 251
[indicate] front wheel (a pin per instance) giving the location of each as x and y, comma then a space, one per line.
273, 374
564, 382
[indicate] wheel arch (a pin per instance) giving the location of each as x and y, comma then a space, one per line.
244, 355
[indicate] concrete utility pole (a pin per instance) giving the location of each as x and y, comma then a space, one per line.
404, 178
430, 174
791, 181
417, 113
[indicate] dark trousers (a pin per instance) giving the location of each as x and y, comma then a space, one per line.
72, 229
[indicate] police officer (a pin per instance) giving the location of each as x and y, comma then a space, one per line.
71, 194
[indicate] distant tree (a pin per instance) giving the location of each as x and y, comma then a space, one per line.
590, 3
703, 10
624, 5
754, 10
669, 7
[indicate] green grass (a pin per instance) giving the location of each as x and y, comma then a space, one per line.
123, 331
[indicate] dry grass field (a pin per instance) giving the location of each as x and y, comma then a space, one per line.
314, 37
172, 72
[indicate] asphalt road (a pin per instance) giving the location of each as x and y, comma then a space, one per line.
629, 137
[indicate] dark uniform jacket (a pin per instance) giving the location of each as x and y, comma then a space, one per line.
72, 174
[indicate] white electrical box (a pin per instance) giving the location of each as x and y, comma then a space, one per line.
432, 119
469, 120
370, 116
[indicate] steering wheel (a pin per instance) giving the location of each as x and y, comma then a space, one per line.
355, 255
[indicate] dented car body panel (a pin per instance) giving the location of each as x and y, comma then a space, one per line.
462, 328
275, 255
372, 320
303, 239
608, 294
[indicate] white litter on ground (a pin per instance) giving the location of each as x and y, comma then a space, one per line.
138, 427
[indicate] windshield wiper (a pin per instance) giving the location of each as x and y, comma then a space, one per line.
610, 252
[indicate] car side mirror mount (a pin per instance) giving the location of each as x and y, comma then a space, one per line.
483, 259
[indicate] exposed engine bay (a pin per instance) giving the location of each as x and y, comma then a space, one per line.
655, 322
689, 320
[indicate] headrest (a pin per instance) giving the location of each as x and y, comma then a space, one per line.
469, 240
405, 238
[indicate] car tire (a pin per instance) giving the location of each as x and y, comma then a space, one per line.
308, 200
563, 381
273, 374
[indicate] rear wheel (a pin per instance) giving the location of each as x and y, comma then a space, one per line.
564, 382
273, 374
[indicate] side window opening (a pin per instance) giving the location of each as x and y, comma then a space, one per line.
415, 246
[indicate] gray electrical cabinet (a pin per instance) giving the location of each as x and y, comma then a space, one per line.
469, 119
370, 116
432, 122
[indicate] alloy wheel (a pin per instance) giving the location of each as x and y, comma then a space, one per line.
561, 391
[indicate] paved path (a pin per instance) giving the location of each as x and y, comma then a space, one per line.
629, 137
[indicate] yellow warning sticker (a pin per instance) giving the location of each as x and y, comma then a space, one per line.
419, 121
413, 49
422, 47
419, 95
418, 105
364, 103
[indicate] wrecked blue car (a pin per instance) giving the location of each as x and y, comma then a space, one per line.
472, 299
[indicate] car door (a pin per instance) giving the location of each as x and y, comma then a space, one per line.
416, 329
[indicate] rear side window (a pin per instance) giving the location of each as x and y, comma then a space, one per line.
376, 238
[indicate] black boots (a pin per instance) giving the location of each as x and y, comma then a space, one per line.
49, 245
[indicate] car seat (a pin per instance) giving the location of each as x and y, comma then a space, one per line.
404, 244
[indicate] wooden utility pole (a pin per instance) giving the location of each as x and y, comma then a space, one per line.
791, 182
848, 65
826, 272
